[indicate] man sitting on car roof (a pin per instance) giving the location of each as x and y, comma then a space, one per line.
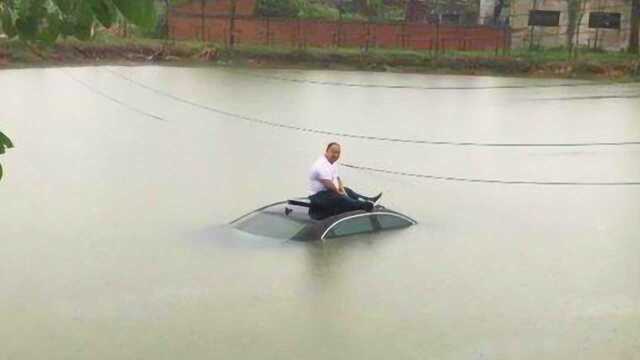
328, 195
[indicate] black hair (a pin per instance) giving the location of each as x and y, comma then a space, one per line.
330, 145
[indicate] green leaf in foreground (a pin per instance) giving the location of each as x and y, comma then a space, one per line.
46, 20
5, 142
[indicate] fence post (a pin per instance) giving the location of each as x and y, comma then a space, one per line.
438, 36
298, 42
338, 30
366, 44
202, 4
433, 41
167, 16
268, 34
464, 38
505, 37
230, 40
303, 34
577, 46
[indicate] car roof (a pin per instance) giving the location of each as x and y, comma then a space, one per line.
298, 211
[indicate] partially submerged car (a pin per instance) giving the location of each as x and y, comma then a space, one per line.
294, 220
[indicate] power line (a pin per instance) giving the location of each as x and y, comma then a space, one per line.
410, 87
385, 171
592, 97
119, 102
366, 137
491, 181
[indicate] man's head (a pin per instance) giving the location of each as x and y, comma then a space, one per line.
333, 152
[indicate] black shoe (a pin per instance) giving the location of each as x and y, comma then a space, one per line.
375, 198
367, 206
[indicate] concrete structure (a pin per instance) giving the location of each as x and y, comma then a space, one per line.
452, 12
537, 36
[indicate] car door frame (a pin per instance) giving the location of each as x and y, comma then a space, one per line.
375, 224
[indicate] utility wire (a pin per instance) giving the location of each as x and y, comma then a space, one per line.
490, 181
592, 97
109, 97
366, 137
385, 171
361, 85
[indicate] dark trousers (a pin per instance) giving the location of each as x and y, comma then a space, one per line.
329, 203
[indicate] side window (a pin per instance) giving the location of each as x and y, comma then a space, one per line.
357, 225
392, 222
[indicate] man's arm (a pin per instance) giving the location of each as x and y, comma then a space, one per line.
330, 185
340, 186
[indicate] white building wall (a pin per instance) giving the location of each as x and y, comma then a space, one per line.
523, 35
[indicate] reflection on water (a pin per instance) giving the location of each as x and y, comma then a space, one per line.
115, 244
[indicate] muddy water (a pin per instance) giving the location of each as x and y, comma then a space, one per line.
112, 202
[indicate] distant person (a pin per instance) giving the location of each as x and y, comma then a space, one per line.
328, 195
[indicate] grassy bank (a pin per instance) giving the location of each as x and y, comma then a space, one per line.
110, 49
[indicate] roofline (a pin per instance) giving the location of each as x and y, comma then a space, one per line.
257, 210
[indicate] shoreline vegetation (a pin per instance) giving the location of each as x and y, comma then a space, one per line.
110, 49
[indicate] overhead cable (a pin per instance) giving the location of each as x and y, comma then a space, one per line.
367, 137
490, 181
109, 97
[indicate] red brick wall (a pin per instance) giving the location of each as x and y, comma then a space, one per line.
298, 33
280, 32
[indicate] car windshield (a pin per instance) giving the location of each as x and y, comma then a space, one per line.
271, 225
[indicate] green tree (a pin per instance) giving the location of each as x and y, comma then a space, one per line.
370, 8
277, 8
46, 20
498, 8
5, 143
575, 12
